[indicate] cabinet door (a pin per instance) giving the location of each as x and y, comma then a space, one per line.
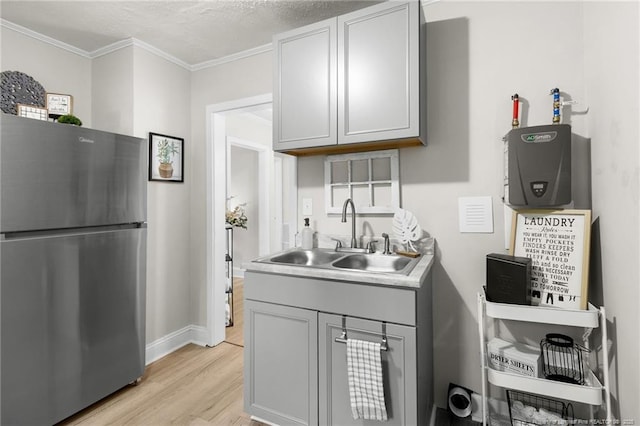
304, 97
281, 363
398, 369
378, 73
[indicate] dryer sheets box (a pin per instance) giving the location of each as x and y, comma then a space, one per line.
514, 357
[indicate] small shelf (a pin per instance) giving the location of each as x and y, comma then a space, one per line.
540, 314
593, 393
590, 393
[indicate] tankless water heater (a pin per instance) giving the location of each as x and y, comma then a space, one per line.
539, 166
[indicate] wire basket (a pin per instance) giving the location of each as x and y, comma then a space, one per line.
528, 409
562, 359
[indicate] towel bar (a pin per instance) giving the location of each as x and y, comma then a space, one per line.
343, 336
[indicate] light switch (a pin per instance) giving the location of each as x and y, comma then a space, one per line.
475, 214
307, 207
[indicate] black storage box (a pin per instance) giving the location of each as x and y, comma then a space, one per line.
508, 279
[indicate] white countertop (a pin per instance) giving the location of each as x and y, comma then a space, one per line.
414, 280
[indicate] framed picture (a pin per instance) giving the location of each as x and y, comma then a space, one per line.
558, 243
58, 104
166, 158
31, 111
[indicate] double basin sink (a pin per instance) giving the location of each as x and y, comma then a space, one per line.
336, 260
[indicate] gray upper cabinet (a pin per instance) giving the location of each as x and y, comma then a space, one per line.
355, 82
378, 73
304, 96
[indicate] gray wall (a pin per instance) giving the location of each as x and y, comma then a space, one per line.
243, 181
126, 92
57, 70
163, 108
479, 55
612, 72
231, 81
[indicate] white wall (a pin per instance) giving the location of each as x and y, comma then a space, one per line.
612, 72
57, 70
131, 96
126, 92
162, 95
244, 181
247, 126
240, 79
479, 56
112, 93
244, 188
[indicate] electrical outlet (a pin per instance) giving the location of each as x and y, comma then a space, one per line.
307, 207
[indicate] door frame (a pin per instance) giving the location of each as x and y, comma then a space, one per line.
216, 174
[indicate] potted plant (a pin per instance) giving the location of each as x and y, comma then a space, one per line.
70, 119
236, 217
166, 150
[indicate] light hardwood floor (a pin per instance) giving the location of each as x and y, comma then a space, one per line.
192, 386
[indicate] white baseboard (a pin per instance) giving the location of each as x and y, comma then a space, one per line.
171, 342
238, 272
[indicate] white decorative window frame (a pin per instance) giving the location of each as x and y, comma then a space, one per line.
394, 182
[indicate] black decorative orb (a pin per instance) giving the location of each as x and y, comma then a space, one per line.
20, 88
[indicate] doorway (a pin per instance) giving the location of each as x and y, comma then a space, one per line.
239, 126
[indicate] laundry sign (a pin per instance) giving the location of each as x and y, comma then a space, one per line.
557, 241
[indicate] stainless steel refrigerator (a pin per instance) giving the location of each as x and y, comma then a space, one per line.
73, 281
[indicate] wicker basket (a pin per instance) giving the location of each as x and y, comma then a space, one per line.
528, 409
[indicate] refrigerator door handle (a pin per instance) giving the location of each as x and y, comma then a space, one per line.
5, 236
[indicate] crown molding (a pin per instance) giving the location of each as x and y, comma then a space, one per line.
137, 43
43, 38
110, 48
152, 49
233, 57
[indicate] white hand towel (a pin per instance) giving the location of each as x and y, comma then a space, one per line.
366, 389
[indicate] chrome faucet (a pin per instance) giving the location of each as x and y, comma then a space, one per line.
354, 244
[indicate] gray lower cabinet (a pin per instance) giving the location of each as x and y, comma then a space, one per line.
281, 363
399, 369
295, 373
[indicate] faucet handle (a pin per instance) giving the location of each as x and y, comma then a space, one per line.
338, 244
386, 243
371, 248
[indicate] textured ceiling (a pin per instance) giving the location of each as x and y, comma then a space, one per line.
191, 31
